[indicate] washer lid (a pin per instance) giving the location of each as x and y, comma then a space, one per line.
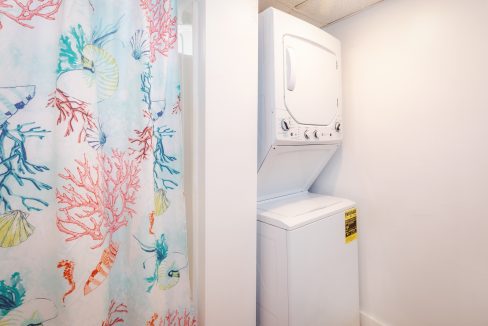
294, 211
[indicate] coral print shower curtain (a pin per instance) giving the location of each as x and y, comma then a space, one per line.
92, 218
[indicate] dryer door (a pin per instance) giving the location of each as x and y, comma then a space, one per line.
312, 81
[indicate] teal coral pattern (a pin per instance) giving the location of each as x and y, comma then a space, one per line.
92, 214
11, 295
71, 49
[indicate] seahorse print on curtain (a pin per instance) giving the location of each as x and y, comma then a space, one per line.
92, 214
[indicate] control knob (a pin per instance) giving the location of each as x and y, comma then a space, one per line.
307, 136
285, 125
338, 126
316, 134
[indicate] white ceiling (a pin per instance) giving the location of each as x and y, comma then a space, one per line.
318, 12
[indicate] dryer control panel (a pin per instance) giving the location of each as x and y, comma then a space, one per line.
288, 131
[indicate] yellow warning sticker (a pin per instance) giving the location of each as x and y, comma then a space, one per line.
351, 227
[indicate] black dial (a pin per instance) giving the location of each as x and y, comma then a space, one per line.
338, 126
285, 125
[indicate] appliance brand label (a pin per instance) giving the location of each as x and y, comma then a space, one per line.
351, 227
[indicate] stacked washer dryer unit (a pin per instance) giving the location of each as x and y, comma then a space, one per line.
307, 256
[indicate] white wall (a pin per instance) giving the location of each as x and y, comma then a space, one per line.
415, 158
226, 137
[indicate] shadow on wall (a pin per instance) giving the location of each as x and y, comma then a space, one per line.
327, 181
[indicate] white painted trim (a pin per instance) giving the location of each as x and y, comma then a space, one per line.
225, 105
367, 320
198, 195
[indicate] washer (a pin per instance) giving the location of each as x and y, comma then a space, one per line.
307, 264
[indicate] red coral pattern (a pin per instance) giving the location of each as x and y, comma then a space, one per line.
23, 12
73, 111
98, 198
176, 319
103, 203
142, 143
114, 312
173, 319
161, 26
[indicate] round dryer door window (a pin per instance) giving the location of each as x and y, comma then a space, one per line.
312, 81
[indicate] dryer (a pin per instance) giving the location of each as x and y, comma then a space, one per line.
300, 103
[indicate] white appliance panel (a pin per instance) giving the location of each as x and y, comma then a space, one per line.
291, 169
272, 276
323, 275
311, 81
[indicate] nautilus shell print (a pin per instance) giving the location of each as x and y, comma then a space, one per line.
169, 272
14, 228
96, 81
34, 312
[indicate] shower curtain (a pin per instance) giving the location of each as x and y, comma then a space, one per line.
92, 214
